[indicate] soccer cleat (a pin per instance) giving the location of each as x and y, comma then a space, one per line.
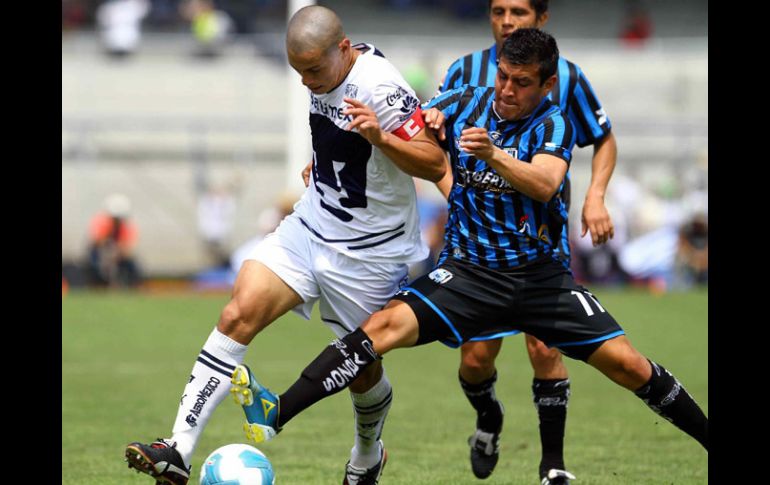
160, 460
360, 476
557, 477
260, 405
485, 448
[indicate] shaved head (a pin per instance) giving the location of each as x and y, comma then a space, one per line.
313, 28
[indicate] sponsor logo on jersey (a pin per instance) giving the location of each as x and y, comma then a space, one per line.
351, 90
201, 399
486, 179
328, 110
394, 96
440, 276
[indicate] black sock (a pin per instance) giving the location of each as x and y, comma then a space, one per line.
667, 397
551, 397
332, 371
482, 397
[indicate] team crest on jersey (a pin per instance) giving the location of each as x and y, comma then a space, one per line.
351, 90
408, 104
512, 151
495, 136
440, 276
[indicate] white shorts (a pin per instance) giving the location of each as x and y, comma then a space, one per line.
349, 289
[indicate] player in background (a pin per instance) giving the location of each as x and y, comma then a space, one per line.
346, 245
510, 149
550, 385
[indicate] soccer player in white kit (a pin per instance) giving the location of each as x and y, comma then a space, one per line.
347, 244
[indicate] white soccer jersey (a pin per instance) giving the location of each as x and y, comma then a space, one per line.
358, 200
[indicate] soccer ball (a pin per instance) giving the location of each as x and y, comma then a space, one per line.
237, 464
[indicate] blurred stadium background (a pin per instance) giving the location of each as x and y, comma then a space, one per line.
176, 121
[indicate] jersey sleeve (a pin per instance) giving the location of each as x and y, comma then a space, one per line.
447, 102
555, 136
452, 78
398, 109
585, 111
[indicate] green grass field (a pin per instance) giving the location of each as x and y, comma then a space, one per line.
126, 359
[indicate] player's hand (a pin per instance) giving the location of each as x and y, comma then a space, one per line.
306, 173
365, 120
435, 120
596, 219
476, 142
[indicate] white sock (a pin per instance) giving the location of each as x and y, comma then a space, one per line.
208, 385
370, 410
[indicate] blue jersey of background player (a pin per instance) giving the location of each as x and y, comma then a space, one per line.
550, 385
490, 223
573, 94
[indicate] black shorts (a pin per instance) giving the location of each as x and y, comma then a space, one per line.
461, 301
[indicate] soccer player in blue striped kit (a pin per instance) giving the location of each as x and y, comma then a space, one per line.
510, 149
550, 385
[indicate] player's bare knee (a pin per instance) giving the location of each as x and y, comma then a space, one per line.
477, 360
636, 368
380, 324
237, 318
542, 356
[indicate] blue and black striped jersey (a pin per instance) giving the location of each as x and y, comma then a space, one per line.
572, 92
490, 222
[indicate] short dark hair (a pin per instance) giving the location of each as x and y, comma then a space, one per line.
540, 6
532, 46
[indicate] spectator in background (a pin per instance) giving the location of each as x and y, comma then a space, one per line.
216, 217
112, 239
692, 259
211, 27
637, 24
120, 25
73, 14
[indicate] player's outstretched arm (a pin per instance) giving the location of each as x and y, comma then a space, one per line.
595, 217
421, 156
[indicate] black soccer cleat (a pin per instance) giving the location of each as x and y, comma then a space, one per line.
485, 447
557, 477
360, 476
160, 460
